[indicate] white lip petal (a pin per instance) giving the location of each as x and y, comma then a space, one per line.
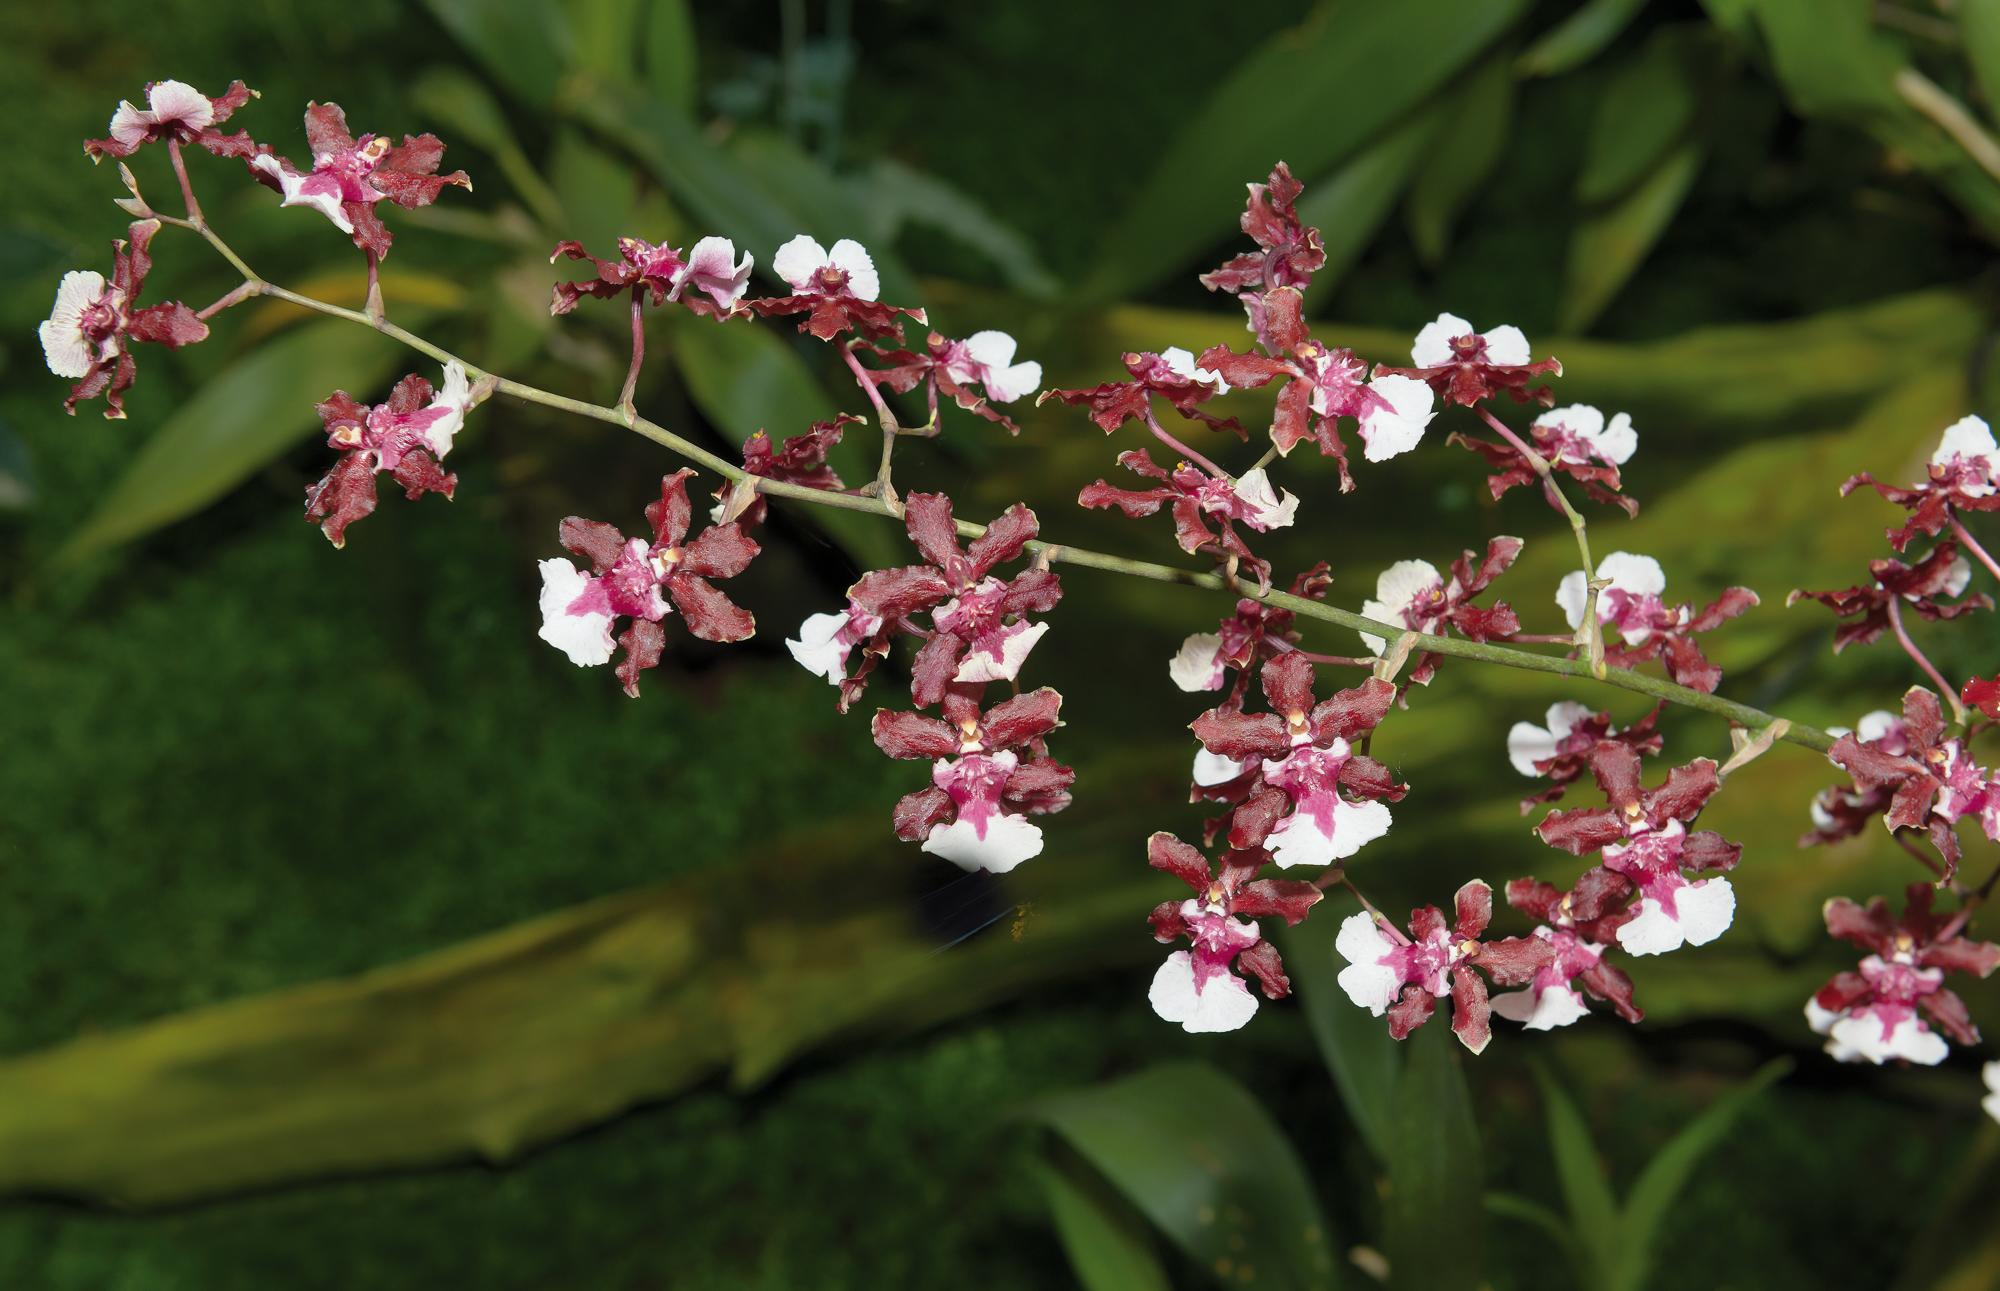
291, 185
1707, 908
1298, 840
862, 280
1619, 441
453, 399
1876, 724
1193, 667
978, 665
1370, 983
1571, 594
1528, 744
1224, 1003
1009, 840
1544, 1010
817, 648
1398, 586
1564, 714
1253, 487
1211, 769
719, 273
1633, 574
1433, 345
1506, 346
179, 101
68, 351
1577, 418
798, 260
1861, 1035
1651, 932
1390, 432
991, 349
585, 638
1005, 385
1966, 437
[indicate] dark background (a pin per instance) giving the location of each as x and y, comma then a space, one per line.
236, 760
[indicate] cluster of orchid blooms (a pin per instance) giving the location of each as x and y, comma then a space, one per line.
1292, 784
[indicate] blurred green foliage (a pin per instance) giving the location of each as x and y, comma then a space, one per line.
236, 761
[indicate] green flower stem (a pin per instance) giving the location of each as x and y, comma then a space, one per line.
1623, 678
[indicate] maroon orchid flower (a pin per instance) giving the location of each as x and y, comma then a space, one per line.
1843, 812
1199, 987
1288, 251
1251, 633
710, 270
1643, 835
1927, 589
1575, 441
635, 579
979, 630
1170, 374
1931, 782
1633, 602
1297, 759
1405, 976
349, 176
952, 368
1579, 926
1413, 595
1194, 497
88, 334
1671, 640
801, 460
1466, 367
1321, 385
989, 772
177, 112
836, 291
1560, 751
407, 437
1872, 1015
1962, 475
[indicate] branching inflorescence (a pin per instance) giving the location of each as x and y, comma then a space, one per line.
1287, 763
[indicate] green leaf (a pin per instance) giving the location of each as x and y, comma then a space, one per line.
1834, 62
1469, 144
893, 194
1510, 1205
1593, 1207
240, 420
1648, 106
1608, 247
602, 191
1578, 38
1352, 68
760, 196
1106, 1240
1197, 1155
671, 53
1958, 1248
1668, 1172
606, 37
1365, 1063
525, 44
465, 108
1436, 1174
